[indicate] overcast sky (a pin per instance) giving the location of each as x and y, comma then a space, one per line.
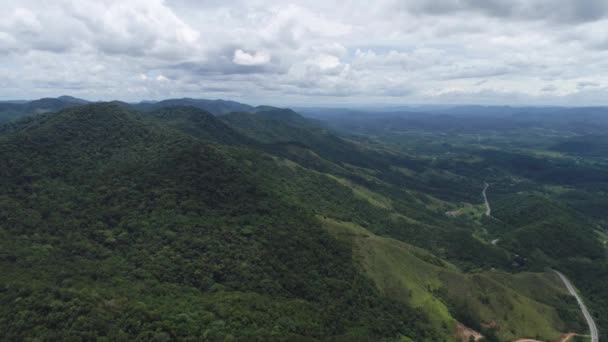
314, 52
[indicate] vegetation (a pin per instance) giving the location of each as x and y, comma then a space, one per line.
106, 219
213, 220
496, 303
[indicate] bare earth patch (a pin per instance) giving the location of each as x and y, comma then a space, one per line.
566, 337
464, 333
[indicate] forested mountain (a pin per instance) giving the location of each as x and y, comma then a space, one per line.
118, 229
212, 106
213, 220
13, 110
198, 123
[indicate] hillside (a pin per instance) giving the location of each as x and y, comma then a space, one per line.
546, 170
197, 123
212, 106
96, 203
13, 110
527, 304
174, 223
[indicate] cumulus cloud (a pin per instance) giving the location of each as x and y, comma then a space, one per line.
327, 62
256, 58
494, 51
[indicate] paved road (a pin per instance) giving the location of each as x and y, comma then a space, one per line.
485, 198
588, 317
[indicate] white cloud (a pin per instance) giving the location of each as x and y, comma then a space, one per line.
307, 51
257, 58
326, 62
7, 42
162, 78
24, 20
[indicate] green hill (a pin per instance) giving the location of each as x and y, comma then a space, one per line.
212, 106
12, 110
197, 123
173, 223
115, 229
495, 303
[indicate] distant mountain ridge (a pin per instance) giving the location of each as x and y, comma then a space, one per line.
198, 123
14, 109
212, 106
460, 118
11, 110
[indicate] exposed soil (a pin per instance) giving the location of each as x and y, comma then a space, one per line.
566, 337
464, 333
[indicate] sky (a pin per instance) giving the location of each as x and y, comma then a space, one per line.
313, 52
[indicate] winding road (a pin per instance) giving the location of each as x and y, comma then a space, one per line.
581, 304
485, 198
590, 322
488, 208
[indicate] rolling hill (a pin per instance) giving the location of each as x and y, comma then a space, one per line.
212, 106
178, 223
13, 110
108, 221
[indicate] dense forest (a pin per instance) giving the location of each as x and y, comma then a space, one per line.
213, 220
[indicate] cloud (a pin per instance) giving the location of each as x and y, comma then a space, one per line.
135, 27
327, 62
257, 58
25, 21
587, 84
557, 11
549, 88
7, 42
493, 51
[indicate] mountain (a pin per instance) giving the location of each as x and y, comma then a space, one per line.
289, 134
117, 220
198, 123
72, 99
12, 110
175, 223
212, 106
14, 101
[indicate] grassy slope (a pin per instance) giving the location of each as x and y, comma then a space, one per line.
361, 192
516, 303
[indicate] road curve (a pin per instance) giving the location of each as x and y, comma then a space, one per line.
581, 304
485, 199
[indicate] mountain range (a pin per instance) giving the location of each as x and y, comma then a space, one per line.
213, 220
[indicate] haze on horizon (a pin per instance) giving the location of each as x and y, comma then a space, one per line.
308, 52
